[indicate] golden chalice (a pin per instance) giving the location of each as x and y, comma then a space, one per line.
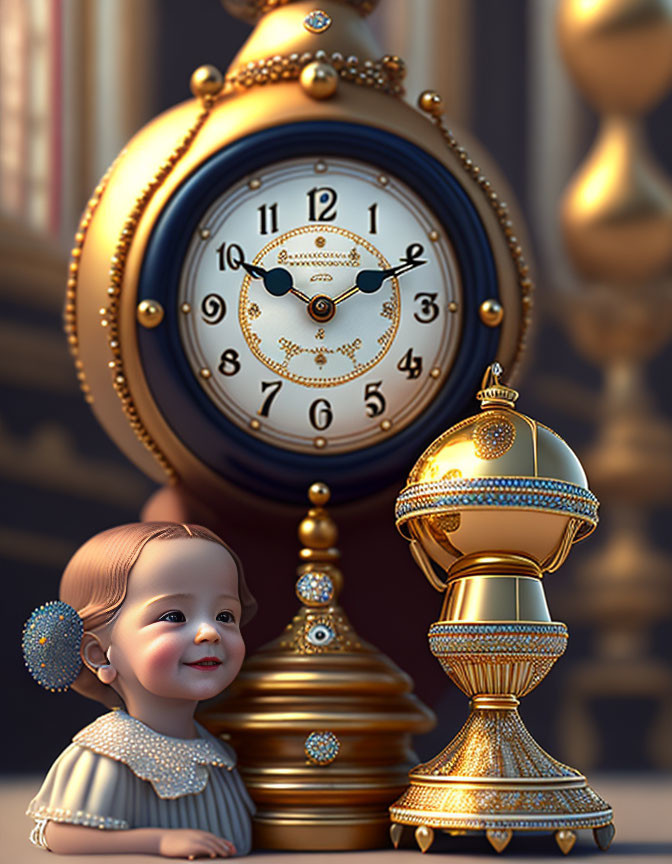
496, 501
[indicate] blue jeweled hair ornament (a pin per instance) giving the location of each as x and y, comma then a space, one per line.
51, 643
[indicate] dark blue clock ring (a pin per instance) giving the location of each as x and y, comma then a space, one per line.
232, 452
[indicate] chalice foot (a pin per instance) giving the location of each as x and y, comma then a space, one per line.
493, 776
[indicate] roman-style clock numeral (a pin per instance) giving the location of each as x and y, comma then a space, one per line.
230, 256
273, 388
322, 204
429, 310
374, 399
268, 218
229, 362
213, 308
321, 415
410, 364
373, 219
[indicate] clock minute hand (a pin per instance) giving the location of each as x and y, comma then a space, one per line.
369, 281
277, 281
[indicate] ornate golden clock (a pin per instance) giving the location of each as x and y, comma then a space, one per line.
295, 274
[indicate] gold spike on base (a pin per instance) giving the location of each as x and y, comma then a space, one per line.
499, 839
565, 840
321, 721
396, 832
424, 837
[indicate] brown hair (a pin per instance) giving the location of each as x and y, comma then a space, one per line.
95, 581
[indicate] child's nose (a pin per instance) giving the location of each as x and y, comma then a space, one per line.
206, 633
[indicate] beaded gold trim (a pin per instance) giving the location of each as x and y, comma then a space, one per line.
110, 313
501, 209
70, 308
385, 74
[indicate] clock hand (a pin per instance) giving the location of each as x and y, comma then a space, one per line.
277, 281
369, 281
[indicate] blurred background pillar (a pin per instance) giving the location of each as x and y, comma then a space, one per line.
434, 37
616, 219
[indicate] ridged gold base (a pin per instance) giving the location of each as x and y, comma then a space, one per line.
494, 777
317, 832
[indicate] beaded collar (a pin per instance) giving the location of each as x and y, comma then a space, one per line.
174, 766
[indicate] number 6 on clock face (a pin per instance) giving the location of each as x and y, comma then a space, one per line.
319, 307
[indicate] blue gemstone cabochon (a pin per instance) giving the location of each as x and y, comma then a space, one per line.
51, 643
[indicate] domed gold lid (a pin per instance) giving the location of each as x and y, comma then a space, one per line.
500, 464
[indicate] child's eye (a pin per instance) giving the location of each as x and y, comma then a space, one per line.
174, 616
226, 616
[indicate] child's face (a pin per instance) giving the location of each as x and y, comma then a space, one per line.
177, 634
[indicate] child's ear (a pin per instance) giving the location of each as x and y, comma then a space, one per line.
95, 659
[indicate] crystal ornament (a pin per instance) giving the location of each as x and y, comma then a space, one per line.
51, 642
321, 748
317, 21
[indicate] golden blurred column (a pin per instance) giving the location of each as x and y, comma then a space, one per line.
434, 37
617, 222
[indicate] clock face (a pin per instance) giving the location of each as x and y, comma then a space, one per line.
321, 283
320, 304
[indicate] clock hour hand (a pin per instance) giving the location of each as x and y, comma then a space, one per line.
369, 281
277, 281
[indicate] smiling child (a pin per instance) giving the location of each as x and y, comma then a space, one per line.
149, 624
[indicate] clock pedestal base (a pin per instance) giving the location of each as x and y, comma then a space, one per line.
321, 721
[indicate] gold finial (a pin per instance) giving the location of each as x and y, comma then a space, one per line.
493, 394
318, 531
319, 581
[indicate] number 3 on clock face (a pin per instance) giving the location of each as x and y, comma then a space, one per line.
318, 300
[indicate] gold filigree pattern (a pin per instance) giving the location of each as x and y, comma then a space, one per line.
319, 258
388, 309
350, 350
493, 436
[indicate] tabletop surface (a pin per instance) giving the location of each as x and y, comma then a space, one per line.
643, 818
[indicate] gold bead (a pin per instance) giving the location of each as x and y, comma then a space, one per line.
431, 103
319, 494
206, 81
491, 313
319, 532
319, 80
149, 313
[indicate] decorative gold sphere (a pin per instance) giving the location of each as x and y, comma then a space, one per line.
491, 312
319, 494
431, 103
206, 81
149, 313
620, 51
498, 482
319, 80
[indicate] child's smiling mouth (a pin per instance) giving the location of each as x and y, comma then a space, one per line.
205, 663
